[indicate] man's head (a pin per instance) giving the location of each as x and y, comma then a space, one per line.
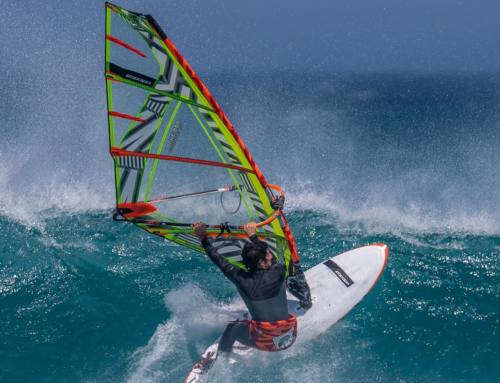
256, 256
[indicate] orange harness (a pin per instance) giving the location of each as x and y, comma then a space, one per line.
273, 336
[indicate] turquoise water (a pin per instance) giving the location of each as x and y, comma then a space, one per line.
410, 161
84, 299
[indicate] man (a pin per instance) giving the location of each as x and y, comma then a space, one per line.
262, 287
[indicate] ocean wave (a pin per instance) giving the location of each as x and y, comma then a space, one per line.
58, 195
189, 329
385, 217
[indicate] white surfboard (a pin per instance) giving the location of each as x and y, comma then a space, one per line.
337, 286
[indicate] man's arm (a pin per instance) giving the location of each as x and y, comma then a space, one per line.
251, 229
229, 270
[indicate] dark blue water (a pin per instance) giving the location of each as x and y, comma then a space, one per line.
408, 160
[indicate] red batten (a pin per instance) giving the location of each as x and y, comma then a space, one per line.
125, 45
126, 116
291, 240
123, 153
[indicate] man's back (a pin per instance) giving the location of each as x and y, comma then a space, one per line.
263, 291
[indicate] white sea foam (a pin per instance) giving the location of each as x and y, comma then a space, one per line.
169, 352
376, 215
179, 341
56, 195
61, 193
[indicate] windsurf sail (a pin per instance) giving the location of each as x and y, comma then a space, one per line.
177, 158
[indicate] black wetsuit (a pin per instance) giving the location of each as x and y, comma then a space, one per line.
263, 292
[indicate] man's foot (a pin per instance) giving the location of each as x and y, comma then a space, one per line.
306, 305
205, 362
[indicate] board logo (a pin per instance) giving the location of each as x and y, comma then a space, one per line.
174, 135
341, 274
137, 78
131, 75
284, 341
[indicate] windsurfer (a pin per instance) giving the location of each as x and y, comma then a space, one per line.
262, 287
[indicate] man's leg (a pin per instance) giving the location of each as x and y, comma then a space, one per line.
297, 285
235, 331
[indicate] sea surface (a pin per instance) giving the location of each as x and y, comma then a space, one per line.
410, 160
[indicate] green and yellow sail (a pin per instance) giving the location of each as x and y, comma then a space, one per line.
177, 158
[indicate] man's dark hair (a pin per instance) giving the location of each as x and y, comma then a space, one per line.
252, 253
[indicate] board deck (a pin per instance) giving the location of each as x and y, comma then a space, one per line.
337, 285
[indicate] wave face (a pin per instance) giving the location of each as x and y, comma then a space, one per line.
408, 160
